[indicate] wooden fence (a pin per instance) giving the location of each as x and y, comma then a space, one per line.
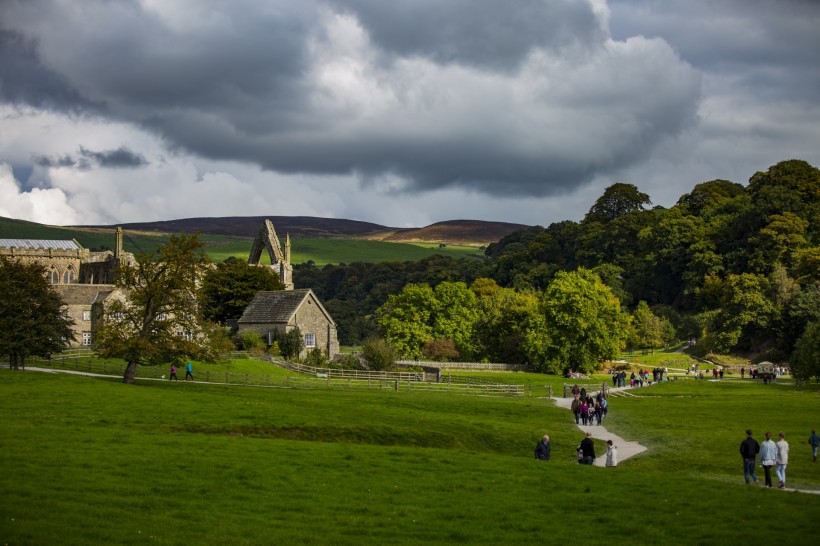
313, 379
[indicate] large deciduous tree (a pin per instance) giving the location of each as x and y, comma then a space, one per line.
229, 287
617, 200
805, 360
32, 322
584, 320
159, 319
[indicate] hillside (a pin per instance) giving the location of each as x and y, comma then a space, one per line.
463, 232
460, 232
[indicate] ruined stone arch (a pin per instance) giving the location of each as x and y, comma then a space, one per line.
266, 239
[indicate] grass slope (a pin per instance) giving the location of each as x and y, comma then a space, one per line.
92, 461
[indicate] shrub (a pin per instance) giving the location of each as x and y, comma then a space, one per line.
440, 350
252, 342
347, 362
317, 358
378, 354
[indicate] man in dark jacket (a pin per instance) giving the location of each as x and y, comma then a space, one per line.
749, 448
543, 449
588, 449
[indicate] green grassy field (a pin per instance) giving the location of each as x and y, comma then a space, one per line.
93, 461
333, 251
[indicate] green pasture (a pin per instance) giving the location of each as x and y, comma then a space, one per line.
92, 461
333, 251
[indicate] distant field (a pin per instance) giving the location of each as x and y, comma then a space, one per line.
220, 247
334, 251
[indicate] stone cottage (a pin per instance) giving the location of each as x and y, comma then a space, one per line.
85, 304
284, 310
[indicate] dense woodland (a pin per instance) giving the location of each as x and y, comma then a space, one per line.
736, 268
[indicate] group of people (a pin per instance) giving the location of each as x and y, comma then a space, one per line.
770, 454
189, 372
585, 451
588, 410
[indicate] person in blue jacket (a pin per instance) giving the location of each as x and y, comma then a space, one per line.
189, 371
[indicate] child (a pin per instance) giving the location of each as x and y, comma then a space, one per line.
611, 454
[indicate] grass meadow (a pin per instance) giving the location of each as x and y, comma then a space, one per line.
92, 461
323, 251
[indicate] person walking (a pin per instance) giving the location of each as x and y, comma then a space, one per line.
768, 457
543, 449
814, 442
189, 371
749, 448
575, 408
173, 373
584, 411
588, 449
782, 459
611, 454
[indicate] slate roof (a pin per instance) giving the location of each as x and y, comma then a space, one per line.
40, 243
83, 294
277, 306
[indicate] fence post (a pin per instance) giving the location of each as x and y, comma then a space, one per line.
564, 394
549, 391
208, 376
397, 384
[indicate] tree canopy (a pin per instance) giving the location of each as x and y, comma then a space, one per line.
32, 322
229, 287
159, 320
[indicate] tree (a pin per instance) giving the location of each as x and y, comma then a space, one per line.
158, 320
650, 329
584, 320
32, 322
228, 288
291, 343
404, 319
805, 360
617, 200
378, 354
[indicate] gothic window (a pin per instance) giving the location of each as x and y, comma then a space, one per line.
54, 276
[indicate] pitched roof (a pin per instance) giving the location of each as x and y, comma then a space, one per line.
40, 243
83, 294
278, 306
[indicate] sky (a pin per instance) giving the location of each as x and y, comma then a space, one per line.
402, 113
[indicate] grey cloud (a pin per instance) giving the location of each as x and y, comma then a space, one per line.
25, 80
506, 99
121, 158
771, 47
482, 33
49, 162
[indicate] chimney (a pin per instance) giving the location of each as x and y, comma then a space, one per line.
118, 243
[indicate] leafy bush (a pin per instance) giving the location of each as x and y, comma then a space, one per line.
347, 362
252, 342
317, 358
440, 350
378, 354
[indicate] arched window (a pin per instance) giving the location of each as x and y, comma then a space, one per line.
70, 275
54, 276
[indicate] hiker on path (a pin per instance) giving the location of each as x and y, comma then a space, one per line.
173, 373
782, 460
189, 371
543, 449
749, 448
575, 408
611, 454
584, 411
768, 457
814, 442
587, 448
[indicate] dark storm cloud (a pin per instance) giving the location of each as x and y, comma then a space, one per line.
482, 33
121, 158
24, 79
771, 47
523, 98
